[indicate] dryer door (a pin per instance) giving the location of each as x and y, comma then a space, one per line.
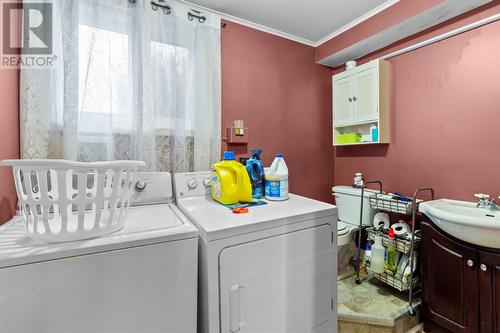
281, 284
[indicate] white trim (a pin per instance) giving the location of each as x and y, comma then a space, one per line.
298, 39
357, 21
268, 30
254, 25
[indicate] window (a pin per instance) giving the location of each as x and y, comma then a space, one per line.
104, 80
105, 83
136, 84
171, 89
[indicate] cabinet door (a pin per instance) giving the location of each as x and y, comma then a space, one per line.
281, 284
489, 292
449, 282
343, 103
366, 95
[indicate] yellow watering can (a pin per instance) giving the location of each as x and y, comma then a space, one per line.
230, 182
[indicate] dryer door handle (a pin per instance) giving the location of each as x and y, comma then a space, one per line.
236, 307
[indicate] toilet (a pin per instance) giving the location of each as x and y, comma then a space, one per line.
348, 202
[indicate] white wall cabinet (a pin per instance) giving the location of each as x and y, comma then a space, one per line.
343, 103
361, 101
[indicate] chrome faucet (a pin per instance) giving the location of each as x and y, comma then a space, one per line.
486, 202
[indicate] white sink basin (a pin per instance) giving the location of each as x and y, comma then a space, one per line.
465, 221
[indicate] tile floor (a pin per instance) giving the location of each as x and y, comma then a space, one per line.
373, 307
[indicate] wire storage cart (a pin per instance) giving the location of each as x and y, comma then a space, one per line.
409, 246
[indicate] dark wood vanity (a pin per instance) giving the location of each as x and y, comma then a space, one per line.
461, 285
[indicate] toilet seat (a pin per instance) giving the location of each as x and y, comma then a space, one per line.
342, 228
345, 233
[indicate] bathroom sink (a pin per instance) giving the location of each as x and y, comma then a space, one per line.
465, 221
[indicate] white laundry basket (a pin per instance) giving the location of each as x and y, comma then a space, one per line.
66, 201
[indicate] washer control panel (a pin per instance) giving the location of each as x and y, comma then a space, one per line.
152, 188
190, 184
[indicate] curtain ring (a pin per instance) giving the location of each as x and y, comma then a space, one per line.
166, 9
201, 18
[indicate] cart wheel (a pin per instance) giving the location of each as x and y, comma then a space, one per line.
411, 310
358, 280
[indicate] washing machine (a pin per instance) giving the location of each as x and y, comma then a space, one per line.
267, 271
142, 278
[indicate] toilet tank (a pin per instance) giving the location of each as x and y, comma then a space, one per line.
348, 202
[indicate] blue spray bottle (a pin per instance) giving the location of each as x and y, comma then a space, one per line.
255, 170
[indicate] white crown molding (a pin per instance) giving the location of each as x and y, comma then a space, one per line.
254, 25
294, 38
357, 21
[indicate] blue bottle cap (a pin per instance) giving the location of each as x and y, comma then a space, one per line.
228, 156
278, 155
256, 153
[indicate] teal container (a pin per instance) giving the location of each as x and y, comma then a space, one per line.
374, 132
255, 170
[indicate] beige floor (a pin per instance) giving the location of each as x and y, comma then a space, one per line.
373, 307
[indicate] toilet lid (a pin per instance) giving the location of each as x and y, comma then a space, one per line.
342, 228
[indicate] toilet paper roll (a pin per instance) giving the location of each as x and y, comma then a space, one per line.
401, 229
381, 220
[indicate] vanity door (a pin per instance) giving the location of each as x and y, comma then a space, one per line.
449, 282
489, 292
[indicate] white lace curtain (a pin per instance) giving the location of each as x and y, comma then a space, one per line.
130, 82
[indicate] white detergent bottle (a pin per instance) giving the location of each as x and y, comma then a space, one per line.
277, 180
378, 256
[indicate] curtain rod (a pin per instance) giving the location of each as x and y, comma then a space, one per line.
191, 15
446, 35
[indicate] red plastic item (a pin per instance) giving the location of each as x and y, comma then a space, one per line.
391, 233
241, 210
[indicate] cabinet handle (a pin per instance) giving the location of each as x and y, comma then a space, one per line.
483, 267
350, 99
470, 263
355, 98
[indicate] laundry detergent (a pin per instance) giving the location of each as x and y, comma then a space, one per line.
277, 180
230, 183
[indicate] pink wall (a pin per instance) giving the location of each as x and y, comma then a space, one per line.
445, 121
274, 85
9, 137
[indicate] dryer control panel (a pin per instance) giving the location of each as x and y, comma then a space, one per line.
190, 184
